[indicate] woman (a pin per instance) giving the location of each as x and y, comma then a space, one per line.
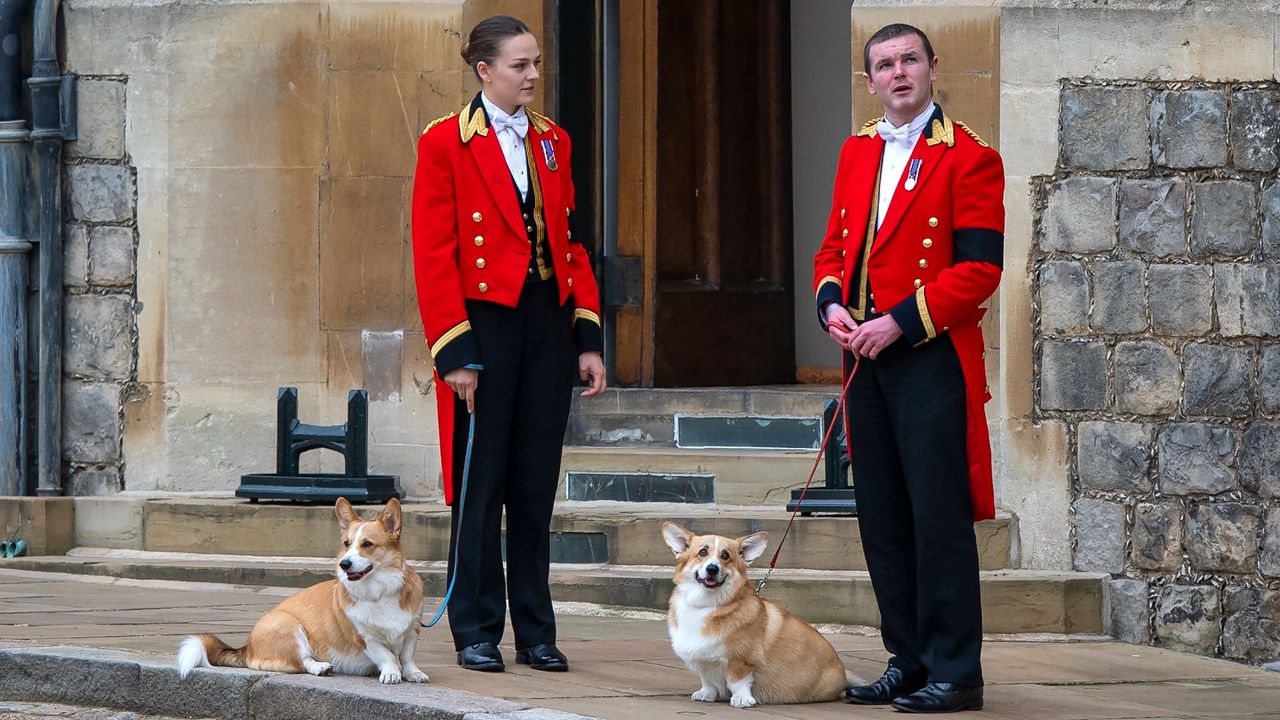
508, 302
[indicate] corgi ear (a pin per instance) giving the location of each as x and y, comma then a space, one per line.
752, 546
391, 518
677, 538
346, 514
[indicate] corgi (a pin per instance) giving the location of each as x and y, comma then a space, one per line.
363, 622
744, 648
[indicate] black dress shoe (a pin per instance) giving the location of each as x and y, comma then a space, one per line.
543, 657
482, 656
893, 684
940, 697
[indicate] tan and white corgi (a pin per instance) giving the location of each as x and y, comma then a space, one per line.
743, 647
363, 622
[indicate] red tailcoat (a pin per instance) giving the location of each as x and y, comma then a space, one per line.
470, 241
936, 257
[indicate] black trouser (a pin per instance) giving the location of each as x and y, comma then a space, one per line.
522, 406
906, 414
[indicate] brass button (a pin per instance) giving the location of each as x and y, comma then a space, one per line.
479, 240
928, 242
979, 323
528, 228
872, 296
476, 216
917, 282
570, 282
568, 257
845, 233
569, 234
484, 287
945, 328
933, 222
526, 216
873, 309
984, 353
566, 212
988, 389
479, 262
842, 253
841, 212
924, 263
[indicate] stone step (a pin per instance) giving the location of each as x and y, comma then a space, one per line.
596, 532
725, 477
767, 417
1013, 601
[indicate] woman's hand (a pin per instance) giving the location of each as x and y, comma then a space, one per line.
591, 369
463, 382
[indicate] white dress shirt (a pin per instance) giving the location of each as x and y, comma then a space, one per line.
512, 143
897, 152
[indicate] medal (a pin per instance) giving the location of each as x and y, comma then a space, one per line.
913, 172
549, 153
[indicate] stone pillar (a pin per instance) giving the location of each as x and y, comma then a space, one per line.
13, 311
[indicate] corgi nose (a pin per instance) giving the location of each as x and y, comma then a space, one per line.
713, 570
345, 564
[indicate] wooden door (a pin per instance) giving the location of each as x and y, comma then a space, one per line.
704, 193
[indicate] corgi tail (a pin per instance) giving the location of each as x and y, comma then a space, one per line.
206, 651
851, 680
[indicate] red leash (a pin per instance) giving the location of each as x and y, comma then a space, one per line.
821, 448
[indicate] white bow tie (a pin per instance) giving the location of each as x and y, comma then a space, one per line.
891, 134
519, 123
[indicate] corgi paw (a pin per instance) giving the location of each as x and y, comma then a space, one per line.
321, 669
417, 676
389, 677
742, 701
705, 695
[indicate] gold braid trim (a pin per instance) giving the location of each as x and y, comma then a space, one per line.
452, 334
869, 127
436, 122
586, 315
971, 134
925, 319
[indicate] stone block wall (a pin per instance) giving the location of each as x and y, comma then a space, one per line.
100, 339
1156, 294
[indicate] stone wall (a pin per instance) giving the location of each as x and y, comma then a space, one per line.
99, 271
1156, 315
238, 221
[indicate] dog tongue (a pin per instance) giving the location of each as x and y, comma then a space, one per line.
353, 576
710, 582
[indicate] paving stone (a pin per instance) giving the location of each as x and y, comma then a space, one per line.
1254, 130
90, 421
1153, 216
1224, 219
1271, 222
1269, 379
1251, 632
1196, 458
98, 336
1248, 299
1217, 380
1080, 216
100, 127
1064, 298
75, 256
1148, 378
1105, 128
1130, 611
1190, 128
1073, 376
1119, 302
1181, 299
1115, 456
1223, 537
1099, 536
1260, 459
1269, 558
1157, 536
1188, 618
111, 256
100, 193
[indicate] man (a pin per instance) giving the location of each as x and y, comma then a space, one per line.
913, 247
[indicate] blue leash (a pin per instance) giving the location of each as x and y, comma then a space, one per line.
462, 506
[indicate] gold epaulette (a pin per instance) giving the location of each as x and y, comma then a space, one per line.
869, 127
436, 122
478, 124
971, 134
540, 122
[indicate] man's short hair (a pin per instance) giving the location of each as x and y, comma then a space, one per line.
889, 32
